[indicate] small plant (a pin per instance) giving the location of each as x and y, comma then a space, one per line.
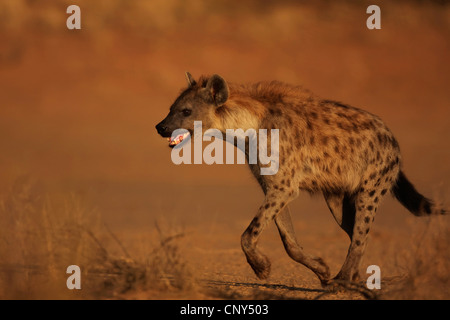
40, 236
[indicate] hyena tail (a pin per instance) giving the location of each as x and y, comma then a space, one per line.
416, 203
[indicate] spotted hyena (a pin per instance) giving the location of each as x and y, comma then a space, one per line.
347, 154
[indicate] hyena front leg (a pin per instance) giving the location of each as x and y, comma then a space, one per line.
271, 206
295, 251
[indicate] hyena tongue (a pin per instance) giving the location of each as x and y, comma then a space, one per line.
173, 141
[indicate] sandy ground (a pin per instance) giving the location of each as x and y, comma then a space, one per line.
78, 113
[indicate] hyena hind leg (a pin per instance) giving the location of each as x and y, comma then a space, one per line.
295, 251
365, 204
343, 208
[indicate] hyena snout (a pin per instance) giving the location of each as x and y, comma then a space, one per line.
162, 129
168, 129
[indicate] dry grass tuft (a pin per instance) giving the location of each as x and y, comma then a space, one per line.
40, 237
425, 264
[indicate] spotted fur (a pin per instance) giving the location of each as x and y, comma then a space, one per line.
347, 154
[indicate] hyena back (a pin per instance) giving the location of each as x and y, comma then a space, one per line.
347, 154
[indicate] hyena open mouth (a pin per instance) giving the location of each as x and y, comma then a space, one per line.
176, 140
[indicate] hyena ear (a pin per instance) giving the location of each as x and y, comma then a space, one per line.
218, 89
190, 80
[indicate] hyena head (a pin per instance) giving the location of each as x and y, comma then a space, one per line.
198, 102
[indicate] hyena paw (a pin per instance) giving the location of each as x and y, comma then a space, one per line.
261, 267
349, 276
322, 270
342, 281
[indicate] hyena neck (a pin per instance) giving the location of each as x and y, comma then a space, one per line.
239, 113
240, 119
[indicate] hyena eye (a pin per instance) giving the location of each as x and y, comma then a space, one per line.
186, 112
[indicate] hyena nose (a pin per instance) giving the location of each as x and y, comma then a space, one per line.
161, 128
